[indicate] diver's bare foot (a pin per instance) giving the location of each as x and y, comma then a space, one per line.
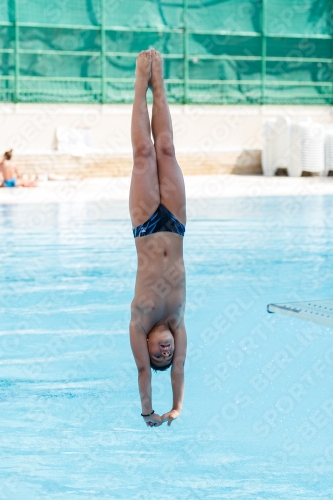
143, 69
157, 81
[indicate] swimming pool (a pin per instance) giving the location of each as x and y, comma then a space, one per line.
258, 408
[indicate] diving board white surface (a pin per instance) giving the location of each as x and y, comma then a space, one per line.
319, 311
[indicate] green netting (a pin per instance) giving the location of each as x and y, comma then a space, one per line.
59, 39
214, 69
35, 90
298, 70
156, 14
6, 38
302, 95
67, 12
299, 48
6, 90
134, 42
58, 65
7, 64
224, 94
7, 11
306, 17
217, 45
228, 15
216, 51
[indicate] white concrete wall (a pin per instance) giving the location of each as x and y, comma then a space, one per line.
31, 127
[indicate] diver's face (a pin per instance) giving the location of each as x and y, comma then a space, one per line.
161, 346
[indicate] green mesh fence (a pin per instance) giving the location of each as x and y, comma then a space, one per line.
216, 51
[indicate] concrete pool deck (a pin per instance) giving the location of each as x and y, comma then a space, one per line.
197, 187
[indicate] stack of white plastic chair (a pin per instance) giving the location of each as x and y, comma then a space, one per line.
329, 151
295, 156
282, 146
268, 151
276, 145
307, 148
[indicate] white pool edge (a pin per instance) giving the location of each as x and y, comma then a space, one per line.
197, 187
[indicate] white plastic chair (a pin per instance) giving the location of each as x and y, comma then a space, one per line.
329, 151
282, 146
74, 141
295, 152
276, 146
268, 151
307, 148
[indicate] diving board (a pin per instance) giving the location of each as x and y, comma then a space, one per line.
317, 311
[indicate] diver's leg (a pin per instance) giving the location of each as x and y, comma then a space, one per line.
172, 188
144, 192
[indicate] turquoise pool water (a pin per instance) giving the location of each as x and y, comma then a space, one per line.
258, 408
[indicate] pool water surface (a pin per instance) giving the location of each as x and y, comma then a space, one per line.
258, 408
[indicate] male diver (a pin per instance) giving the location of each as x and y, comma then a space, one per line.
158, 214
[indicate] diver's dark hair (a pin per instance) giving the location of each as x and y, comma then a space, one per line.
160, 368
8, 154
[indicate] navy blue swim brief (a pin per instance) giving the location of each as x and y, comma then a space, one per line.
161, 221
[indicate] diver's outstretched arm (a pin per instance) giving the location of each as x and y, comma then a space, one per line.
139, 347
177, 374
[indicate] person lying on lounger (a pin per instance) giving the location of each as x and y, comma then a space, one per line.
9, 173
158, 214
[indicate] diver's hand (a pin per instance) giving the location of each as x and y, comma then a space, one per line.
153, 421
170, 416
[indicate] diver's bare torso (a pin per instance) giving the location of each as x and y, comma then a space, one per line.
160, 281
